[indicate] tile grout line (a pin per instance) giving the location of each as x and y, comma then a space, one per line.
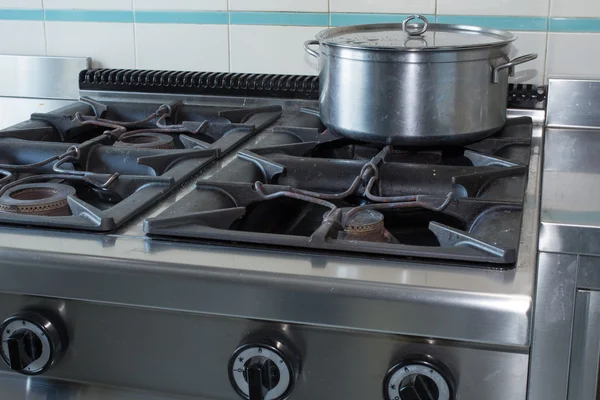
45, 29
229, 54
545, 76
134, 27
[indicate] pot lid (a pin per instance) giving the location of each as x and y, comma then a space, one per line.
414, 36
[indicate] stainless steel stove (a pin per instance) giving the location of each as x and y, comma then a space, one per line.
203, 236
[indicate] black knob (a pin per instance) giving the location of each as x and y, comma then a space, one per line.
262, 376
418, 387
261, 370
32, 342
418, 380
24, 347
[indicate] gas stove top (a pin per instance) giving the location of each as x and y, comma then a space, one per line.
95, 165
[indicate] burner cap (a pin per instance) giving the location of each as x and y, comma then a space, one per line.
147, 141
367, 226
365, 221
49, 199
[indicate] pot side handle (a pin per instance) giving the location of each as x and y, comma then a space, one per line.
310, 51
510, 65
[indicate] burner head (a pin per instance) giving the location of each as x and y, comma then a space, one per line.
49, 199
367, 226
147, 141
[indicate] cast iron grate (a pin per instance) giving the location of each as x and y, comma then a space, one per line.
94, 165
307, 188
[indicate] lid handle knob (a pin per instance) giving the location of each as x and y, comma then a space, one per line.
415, 29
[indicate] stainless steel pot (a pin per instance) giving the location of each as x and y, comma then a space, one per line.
414, 84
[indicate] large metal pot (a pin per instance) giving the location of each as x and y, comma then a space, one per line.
414, 84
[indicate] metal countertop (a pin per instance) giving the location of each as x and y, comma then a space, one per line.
570, 213
37, 84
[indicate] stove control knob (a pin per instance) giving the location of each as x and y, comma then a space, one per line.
417, 380
263, 371
32, 342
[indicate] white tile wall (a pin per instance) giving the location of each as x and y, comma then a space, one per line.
574, 55
494, 7
280, 5
206, 50
575, 8
384, 6
22, 38
20, 3
89, 4
271, 49
109, 44
180, 5
533, 71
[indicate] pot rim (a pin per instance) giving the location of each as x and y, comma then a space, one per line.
503, 37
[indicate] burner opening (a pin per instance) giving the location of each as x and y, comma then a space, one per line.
147, 141
284, 216
411, 227
39, 193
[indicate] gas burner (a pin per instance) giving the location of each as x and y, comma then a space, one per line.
366, 225
48, 199
147, 141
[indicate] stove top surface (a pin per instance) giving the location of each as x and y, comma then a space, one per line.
85, 262
95, 165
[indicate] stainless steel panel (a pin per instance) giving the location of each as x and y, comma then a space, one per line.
585, 354
16, 110
561, 237
570, 211
538, 116
574, 103
552, 325
187, 354
41, 77
17, 387
588, 273
572, 150
317, 290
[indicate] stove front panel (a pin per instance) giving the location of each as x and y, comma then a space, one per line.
185, 354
